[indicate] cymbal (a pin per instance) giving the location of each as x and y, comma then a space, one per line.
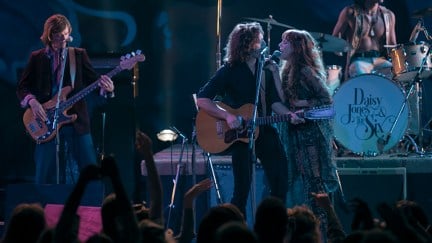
422, 13
271, 21
331, 43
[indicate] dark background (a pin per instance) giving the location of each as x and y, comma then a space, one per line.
179, 41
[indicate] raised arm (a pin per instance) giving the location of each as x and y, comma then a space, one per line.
143, 145
68, 225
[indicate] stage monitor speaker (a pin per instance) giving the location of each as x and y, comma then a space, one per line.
372, 185
49, 194
224, 176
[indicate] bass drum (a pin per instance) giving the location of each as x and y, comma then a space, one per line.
366, 108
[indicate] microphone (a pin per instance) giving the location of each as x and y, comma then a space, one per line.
415, 32
273, 58
179, 133
69, 39
276, 56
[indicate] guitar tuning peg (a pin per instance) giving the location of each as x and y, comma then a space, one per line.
128, 56
133, 54
138, 52
122, 58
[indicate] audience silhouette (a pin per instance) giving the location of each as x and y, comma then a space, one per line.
405, 221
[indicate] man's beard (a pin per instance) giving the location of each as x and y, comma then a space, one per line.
256, 53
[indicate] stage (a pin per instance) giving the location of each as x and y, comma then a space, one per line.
384, 178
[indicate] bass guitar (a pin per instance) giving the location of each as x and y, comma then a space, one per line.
44, 131
214, 135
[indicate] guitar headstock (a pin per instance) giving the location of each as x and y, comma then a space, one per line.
129, 60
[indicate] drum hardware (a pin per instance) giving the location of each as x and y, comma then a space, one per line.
422, 13
408, 58
330, 43
270, 21
415, 83
382, 141
334, 76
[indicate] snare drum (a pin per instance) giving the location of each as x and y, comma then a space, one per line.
366, 107
407, 59
334, 76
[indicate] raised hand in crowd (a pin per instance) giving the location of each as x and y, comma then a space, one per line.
335, 231
143, 146
187, 228
362, 219
195, 191
118, 217
398, 223
67, 227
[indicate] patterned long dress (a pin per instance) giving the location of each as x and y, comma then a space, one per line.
309, 150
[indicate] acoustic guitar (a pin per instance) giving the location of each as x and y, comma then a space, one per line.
214, 135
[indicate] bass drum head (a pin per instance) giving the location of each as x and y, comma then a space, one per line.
366, 108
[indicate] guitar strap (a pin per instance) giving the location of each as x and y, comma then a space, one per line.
72, 64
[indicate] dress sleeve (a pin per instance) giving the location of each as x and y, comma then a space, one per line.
319, 93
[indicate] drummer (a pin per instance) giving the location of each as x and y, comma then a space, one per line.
368, 27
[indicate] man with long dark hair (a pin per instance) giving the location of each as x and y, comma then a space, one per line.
235, 82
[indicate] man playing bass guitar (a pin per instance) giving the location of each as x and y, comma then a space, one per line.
47, 70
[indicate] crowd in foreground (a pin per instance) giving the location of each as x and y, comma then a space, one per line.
124, 222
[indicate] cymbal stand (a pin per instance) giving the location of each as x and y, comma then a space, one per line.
269, 27
417, 82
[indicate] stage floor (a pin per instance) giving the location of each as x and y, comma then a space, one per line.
384, 178
414, 163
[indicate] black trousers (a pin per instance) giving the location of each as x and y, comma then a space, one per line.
269, 151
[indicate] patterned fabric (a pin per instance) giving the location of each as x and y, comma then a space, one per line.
309, 150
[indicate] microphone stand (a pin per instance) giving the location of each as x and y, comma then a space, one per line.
252, 128
56, 113
176, 179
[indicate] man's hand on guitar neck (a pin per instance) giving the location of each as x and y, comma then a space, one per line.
37, 109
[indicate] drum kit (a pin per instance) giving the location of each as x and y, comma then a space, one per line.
375, 113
